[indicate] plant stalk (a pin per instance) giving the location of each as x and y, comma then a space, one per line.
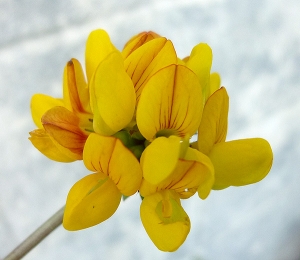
37, 236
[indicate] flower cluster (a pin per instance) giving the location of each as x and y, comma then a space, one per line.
130, 118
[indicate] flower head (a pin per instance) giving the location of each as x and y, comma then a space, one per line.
130, 120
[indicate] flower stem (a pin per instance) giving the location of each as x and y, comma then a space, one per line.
37, 236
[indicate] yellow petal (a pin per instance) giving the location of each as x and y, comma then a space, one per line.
40, 104
63, 126
113, 96
164, 220
160, 158
125, 170
76, 93
91, 200
97, 152
215, 83
148, 59
205, 170
98, 46
200, 62
241, 162
50, 148
110, 156
137, 41
171, 100
213, 126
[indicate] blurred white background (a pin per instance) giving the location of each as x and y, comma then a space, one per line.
256, 46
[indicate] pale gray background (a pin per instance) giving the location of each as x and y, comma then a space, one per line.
256, 46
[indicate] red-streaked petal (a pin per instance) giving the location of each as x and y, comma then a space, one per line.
108, 155
171, 99
148, 59
213, 126
50, 148
194, 172
76, 93
63, 126
137, 41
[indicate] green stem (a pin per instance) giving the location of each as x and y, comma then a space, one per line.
37, 236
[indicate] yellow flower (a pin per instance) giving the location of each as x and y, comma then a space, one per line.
162, 215
96, 197
117, 79
131, 121
238, 162
63, 124
170, 106
171, 103
169, 111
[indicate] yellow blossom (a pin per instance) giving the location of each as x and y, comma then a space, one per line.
162, 215
170, 106
168, 112
96, 197
130, 120
63, 124
238, 162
